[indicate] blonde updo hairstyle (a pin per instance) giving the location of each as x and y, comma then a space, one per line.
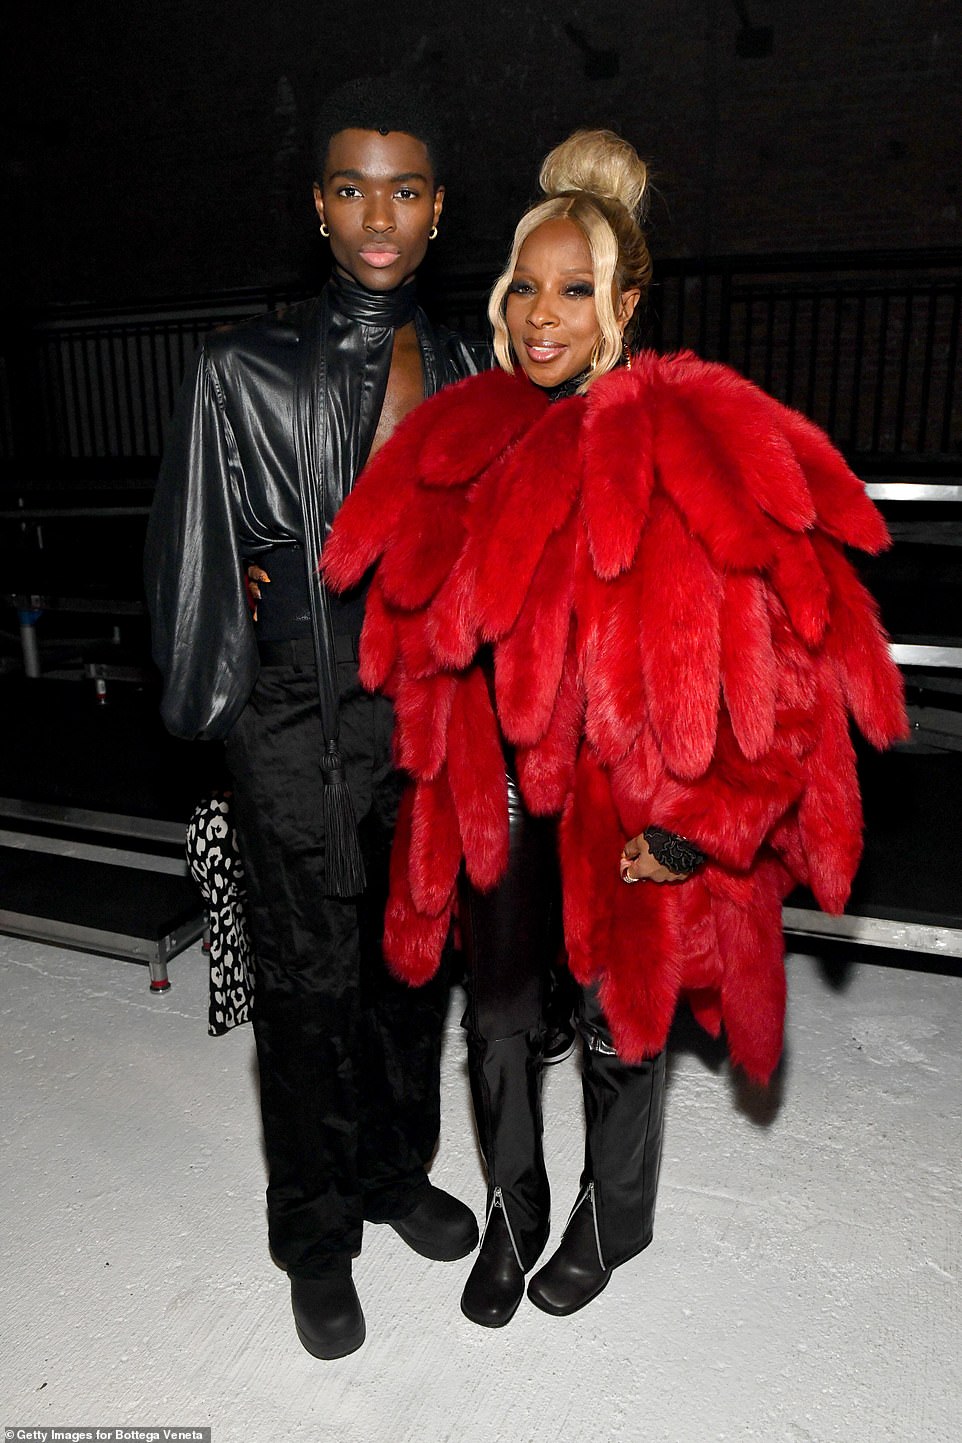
598, 181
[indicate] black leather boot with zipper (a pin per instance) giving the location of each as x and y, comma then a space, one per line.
506, 1090
613, 1217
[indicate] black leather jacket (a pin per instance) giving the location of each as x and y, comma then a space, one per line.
229, 490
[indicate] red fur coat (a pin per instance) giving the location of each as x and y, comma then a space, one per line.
678, 640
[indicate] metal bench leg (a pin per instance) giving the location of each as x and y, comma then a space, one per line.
159, 981
28, 642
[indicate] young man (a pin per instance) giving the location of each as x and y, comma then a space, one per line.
283, 412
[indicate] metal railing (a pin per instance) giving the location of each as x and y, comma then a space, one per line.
866, 344
85, 383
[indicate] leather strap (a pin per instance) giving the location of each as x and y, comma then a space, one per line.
344, 874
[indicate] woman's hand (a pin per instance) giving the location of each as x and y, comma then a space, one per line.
256, 578
638, 865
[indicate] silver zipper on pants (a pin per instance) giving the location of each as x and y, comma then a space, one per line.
588, 1196
497, 1201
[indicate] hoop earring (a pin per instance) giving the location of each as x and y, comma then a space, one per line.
625, 354
433, 233
595, 356
324, 230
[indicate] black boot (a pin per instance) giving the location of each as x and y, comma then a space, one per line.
495, 1284
441, 1227
576, 1272
327, 1315
506, 1090
614, 1216
560, 1007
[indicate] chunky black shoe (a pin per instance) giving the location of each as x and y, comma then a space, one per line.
327, 1315
495, 1284
560, 1008
441, 1227
575, 1274
559, 1041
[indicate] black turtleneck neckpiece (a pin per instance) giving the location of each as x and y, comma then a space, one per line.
387, 310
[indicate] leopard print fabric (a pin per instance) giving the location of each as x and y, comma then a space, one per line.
215, 865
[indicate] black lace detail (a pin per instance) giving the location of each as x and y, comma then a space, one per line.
564, 389
674, 852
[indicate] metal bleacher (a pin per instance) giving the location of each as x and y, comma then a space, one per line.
94, 803
908, 892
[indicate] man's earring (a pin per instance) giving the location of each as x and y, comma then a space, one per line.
324, 229
433, 233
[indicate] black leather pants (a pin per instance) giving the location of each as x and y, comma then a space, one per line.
510, 938
624, 1113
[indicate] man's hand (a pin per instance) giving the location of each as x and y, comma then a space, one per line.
256, 578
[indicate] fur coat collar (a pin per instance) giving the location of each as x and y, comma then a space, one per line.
678, 640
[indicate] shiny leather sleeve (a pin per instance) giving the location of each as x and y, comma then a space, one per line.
228, 490
461, 356
202, 631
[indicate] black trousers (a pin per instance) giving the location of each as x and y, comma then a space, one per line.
348, 1057
510, 938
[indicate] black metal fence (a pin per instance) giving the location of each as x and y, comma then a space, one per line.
866, 344
88, 384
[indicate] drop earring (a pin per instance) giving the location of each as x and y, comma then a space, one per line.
433, 233
324, 230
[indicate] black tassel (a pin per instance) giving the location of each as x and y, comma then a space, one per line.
343, 864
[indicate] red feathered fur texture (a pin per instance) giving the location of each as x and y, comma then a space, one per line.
678, 639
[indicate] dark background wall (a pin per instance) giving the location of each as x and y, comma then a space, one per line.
159, 149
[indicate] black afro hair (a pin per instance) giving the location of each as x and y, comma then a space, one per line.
382, 103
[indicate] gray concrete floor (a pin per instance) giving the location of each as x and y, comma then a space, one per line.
802, 1286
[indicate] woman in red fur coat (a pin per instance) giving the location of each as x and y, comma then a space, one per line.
609, 588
